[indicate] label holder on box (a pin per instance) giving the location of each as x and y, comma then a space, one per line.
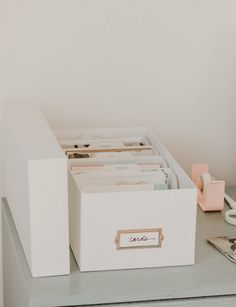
139, 238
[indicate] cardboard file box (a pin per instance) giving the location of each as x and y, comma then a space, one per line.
131, 229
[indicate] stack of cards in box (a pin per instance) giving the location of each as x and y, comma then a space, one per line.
102, 164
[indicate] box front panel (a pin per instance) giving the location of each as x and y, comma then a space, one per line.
135, 218
49, 217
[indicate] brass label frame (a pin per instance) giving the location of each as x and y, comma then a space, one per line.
135, 232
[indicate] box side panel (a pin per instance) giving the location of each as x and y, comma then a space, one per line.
16, 182
104, 214
49, 217
75, 218
28, 138
32, 131
183, 179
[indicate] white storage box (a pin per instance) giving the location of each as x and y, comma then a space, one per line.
129, 228
35, 185
148, 223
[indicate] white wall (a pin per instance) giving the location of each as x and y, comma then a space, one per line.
167, 64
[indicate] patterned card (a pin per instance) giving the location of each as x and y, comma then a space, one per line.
226, 245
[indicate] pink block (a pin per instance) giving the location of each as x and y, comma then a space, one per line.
210, 198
